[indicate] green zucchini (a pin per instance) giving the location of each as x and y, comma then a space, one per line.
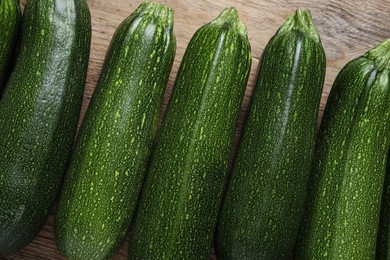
10, 17
344, 196
39, 113
178, 208
265, 196
383, 240
107, 169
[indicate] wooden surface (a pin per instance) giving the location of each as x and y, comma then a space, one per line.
347, 28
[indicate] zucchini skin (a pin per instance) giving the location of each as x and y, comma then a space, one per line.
383, 241
265, 195
39, 113
10, 18
343, 205
107, 169
179, 204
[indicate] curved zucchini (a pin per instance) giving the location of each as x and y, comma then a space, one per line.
182, 192
107, 169
10, 17
343, 205
39, 113
264, 202
383, 240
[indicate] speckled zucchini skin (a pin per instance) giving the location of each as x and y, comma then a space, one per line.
383, 240
105, 176
10, 18
344, 198
39, 113
264, 202
182, 193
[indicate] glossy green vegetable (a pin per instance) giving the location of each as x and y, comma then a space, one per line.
9, 23
383, 240
107, 169
265, 197
182, 193
39, 113
343, 204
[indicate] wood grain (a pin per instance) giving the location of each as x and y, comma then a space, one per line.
347, 28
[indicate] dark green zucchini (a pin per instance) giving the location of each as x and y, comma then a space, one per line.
344, 198
265, 196
383, 240
182, 193
10, 17
107, 169
39, 113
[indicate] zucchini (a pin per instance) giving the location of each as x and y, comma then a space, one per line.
265, 196
39, 113
178, 208
10, 18
107, 169
344, 196
383, 240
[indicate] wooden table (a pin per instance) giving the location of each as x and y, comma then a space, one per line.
347, 28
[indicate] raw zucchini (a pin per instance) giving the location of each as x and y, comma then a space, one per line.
264, 202
343, 204
9, 23
383, 240
39, 113
107, 169
182, 192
